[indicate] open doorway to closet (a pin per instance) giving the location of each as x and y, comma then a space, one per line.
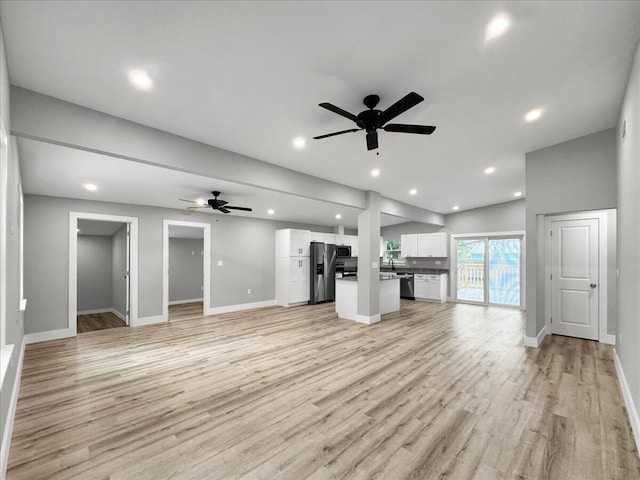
186, 260
102, 272
489, 270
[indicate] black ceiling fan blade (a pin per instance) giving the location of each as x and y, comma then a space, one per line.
401, 106
223, 210
372, 140
339, 111
337, 133
246, 209
401, 127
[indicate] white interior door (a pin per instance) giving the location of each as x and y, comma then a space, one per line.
575, 278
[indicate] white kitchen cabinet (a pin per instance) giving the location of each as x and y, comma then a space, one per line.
316, 237
383, 248
292, 266
292, 243
330, 238
340, 239
352, 240
433, 245
409, 245
430, 287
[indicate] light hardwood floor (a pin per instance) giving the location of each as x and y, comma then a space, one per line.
185, 311
433, 391
99, 321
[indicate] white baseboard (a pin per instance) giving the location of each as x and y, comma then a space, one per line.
97, 310
118, 314
369, 320
50, 335
609, 339
628, 399
180, 302
148, 321
8, 429
242, 306
535, 342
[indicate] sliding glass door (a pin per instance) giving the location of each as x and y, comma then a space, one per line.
489, 270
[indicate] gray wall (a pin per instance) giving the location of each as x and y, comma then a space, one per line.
245, 245
503, 217
119, 268
185, 269
94, 272
628, 161
10, 285
573, 176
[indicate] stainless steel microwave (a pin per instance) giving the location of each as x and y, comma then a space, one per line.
343, 251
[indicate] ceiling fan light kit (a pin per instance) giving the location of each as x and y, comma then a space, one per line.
215, 204
372, 119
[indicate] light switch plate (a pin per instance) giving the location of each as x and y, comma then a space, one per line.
219, 263
374, 264
438, 262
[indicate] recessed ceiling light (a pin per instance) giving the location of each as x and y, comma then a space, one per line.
271, 211
413, 191
338, 216
90, 186
497, 26
141, 79
517, 194
375, 172
489, 170
200, 201
455, 208
533, 115
299, 142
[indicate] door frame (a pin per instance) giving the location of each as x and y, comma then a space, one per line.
73, 264
206, 263
603, 285
453, 269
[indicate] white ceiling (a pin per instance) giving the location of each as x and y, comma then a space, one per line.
124, 181
247, 77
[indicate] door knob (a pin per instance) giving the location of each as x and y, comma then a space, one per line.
593, 285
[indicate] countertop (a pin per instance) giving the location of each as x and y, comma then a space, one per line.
353, 278
430, 271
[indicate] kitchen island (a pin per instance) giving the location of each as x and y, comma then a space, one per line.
347, 297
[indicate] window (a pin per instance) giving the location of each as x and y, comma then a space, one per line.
393, 252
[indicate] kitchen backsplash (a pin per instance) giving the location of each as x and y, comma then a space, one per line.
419, 263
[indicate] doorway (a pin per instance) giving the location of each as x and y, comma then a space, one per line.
103, 271
577, 259
489, 270
186, 269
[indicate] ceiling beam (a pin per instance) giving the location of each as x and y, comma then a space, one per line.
48, 119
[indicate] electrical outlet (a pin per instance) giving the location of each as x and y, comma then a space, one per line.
219, 263
193, 253
414, 262
438, 262
248, 291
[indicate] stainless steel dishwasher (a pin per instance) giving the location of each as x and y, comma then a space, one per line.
406, 286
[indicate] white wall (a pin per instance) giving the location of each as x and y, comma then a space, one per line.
577, 175
94, 272
628, 161
185, 269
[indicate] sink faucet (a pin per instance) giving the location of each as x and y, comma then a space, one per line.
393, 267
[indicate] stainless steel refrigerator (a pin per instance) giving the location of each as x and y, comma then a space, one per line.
323, 273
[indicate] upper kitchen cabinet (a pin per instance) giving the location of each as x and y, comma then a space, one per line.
433, 245
292, 243
330, 238
409, 245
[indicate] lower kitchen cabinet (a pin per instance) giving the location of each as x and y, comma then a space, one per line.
430, 287
292, 281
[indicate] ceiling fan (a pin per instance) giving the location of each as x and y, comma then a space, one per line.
372, 119
220, 205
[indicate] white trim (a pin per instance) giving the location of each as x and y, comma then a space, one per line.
49, 335
488, 234
206, 263
97, 310
190, 300
535, 342
242, 306
11, 413
4, 193
140, 322
73, 264
367, 319
603, 228
118, 314
628, 399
